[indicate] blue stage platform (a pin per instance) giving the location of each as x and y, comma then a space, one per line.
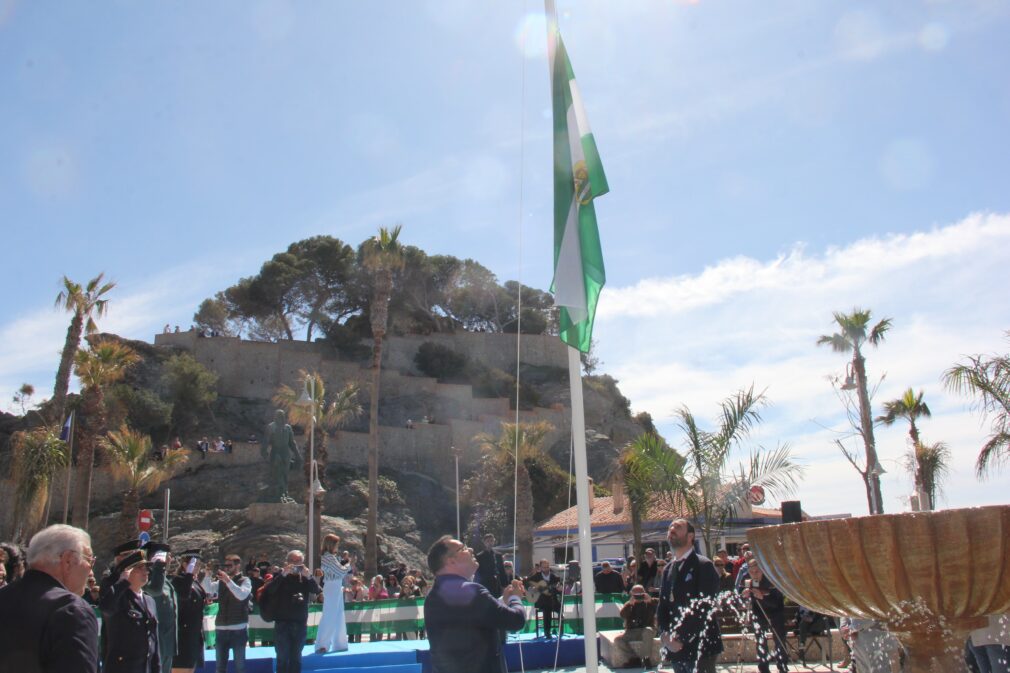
412, 656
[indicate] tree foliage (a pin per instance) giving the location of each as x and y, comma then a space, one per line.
321, 286
190, 387
986, 379
38, 454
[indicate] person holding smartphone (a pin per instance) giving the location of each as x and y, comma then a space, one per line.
287, 598
232, 590
191, 598
639, 615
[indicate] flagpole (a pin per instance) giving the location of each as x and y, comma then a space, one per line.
70, 464
582, 509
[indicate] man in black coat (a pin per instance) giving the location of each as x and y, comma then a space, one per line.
491, 567
131, 620
687, 622
287, 597
45, 625
191, 597
463, 620
607, 581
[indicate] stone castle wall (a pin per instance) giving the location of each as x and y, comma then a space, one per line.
249, 369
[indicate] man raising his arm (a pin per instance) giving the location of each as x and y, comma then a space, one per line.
464, 621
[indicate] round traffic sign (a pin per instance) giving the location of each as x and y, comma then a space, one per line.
756, 495
144, 537
145, 519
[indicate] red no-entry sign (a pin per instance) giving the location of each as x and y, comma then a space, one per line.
145, 519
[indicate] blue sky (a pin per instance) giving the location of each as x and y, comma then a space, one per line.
768, 163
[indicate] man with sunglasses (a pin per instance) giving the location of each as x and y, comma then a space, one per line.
231, 628
45, 625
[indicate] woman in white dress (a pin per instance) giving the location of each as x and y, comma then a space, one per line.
332, 635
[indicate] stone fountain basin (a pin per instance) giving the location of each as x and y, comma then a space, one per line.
915, 570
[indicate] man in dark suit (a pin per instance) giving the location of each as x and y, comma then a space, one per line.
464, 621
131, 619
491, 567
689, 631
45, 625
546, 586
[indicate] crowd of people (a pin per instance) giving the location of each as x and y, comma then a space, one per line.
152, 603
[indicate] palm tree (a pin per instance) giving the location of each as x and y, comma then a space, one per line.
133, 462
329, 417
85, 303
383, 254
987, 380
910, 407
931, 464
97, 368
650, 470
852, 336
37, 455
527, 439
710, 490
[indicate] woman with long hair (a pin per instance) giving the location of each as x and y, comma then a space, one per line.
332, 636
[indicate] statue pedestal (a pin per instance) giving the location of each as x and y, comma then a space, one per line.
267, 512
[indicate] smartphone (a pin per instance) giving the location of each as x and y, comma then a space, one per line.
191, 566
160, 557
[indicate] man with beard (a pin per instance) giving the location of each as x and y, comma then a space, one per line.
689, 629
546, 586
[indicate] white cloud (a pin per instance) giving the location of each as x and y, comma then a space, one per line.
695, 339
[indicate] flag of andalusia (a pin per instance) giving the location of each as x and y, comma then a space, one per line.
578, 179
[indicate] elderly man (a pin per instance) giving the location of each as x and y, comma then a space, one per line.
287, 597
607, 581
464, 621
639, 615
45, 625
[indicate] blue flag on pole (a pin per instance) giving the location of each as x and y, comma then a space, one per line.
65, 432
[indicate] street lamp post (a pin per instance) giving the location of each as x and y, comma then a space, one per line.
455, 454
309, 397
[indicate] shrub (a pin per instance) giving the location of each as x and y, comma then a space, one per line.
439, 362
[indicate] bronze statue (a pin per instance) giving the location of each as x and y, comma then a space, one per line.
283, 452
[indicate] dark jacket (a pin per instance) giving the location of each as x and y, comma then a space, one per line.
230, 610
549, 590
45, 628
132, 630
640, 614
464, 623
491, 571
191, 597
289, 597
609, 583
769, 611
686, 599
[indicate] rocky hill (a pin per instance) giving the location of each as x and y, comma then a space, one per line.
211, 497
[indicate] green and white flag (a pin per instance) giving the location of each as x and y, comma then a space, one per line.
578, 179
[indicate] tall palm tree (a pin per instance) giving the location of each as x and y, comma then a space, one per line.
711, 490
85, 303
931, 464
37, 455
98, 368
650, 470
987, 380
133, 463
910, 407
852, 337
527, 439
383, 255
330, 415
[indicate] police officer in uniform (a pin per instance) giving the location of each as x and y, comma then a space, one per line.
130, 616
161, 590
108, 580
191, 597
